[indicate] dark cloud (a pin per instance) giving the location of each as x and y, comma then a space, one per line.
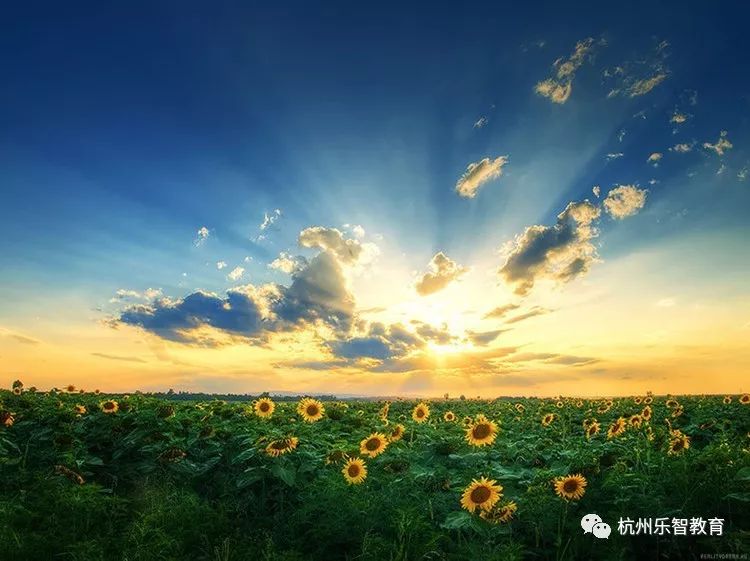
442, 271
560, 252
535, 311
482, 338
501, 311
120, 358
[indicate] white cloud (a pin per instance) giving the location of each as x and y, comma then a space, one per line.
269, 219
654, 158
203, 234
236, 274
642, 87
479, 173
348, 251
614, 155
480, 122
666, 303
287, 263
679, 118
148, 294
442, 271
597, 191
221, 264
721, 145
682, 147
624, 201
742, 174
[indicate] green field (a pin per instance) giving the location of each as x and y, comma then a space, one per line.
163, 480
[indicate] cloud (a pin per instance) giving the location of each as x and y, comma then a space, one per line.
639, 77
479, 173
535, 311
558, 87
236, 274
624, 201
679, 118
348, 251
483, 338
317, 296
287, 263
356, 229
596, 190
654, 158
203, 234
480, 122
666, 303
560, 253
120, 358
501, 311
682, 147
742, 174
18, 337
221, 265
614, 155
442, 271
269, 219
439, 335
124, 294
379, 342
721, 145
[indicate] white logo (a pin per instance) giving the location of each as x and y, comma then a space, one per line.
593, 524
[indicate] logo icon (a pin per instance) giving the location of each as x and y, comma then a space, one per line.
593, 524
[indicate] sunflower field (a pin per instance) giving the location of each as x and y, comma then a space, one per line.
89, 477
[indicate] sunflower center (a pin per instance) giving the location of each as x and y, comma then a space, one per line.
570, 486
312, 410
353, 470
278, 445
264, 407
372, 444
480, 495
482, 430
109, 405
677, 445
420, 413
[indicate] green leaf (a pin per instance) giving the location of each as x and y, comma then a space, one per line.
286, 474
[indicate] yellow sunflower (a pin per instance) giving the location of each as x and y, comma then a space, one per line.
80, 409
646, 413
677, 411
520, 408
570, 487
311, 410
373, 445
500, 514
588, 422
276, 448
559, 404
467, 421
602, 408
17, 391
579, 404
547, 419
6, 419
355, 471
397, 433
70, 388
449, 416
109, 406
638, 400
592, 430
648, 399
385, 410
482, 432
671, 403
678, 443
635, 421
264, 407
727, 399
420, 413
745, 398
616, 428
481, 494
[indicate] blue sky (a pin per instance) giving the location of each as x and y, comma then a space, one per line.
123, 131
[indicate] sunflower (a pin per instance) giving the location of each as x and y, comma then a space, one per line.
520, 408
559, 404
678, 443
373, 445
385, 410
264, 407
467, 421
671, 403
449, 416
547, 419
677, 411
80, 409
745, 399
481, 493
420, 413
638, 400
588, 422
482, 432
646, 413
73, 476
616, 428
97, 391
499, 514
109, 406
6, 418
592, 429
70, 388
727, 399
276, 448
635, 421
310, 410
355, 471
570, 487
604, 408
17, 391
648, 399
397, 433
579, 404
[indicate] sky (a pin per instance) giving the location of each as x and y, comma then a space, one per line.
477, 199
